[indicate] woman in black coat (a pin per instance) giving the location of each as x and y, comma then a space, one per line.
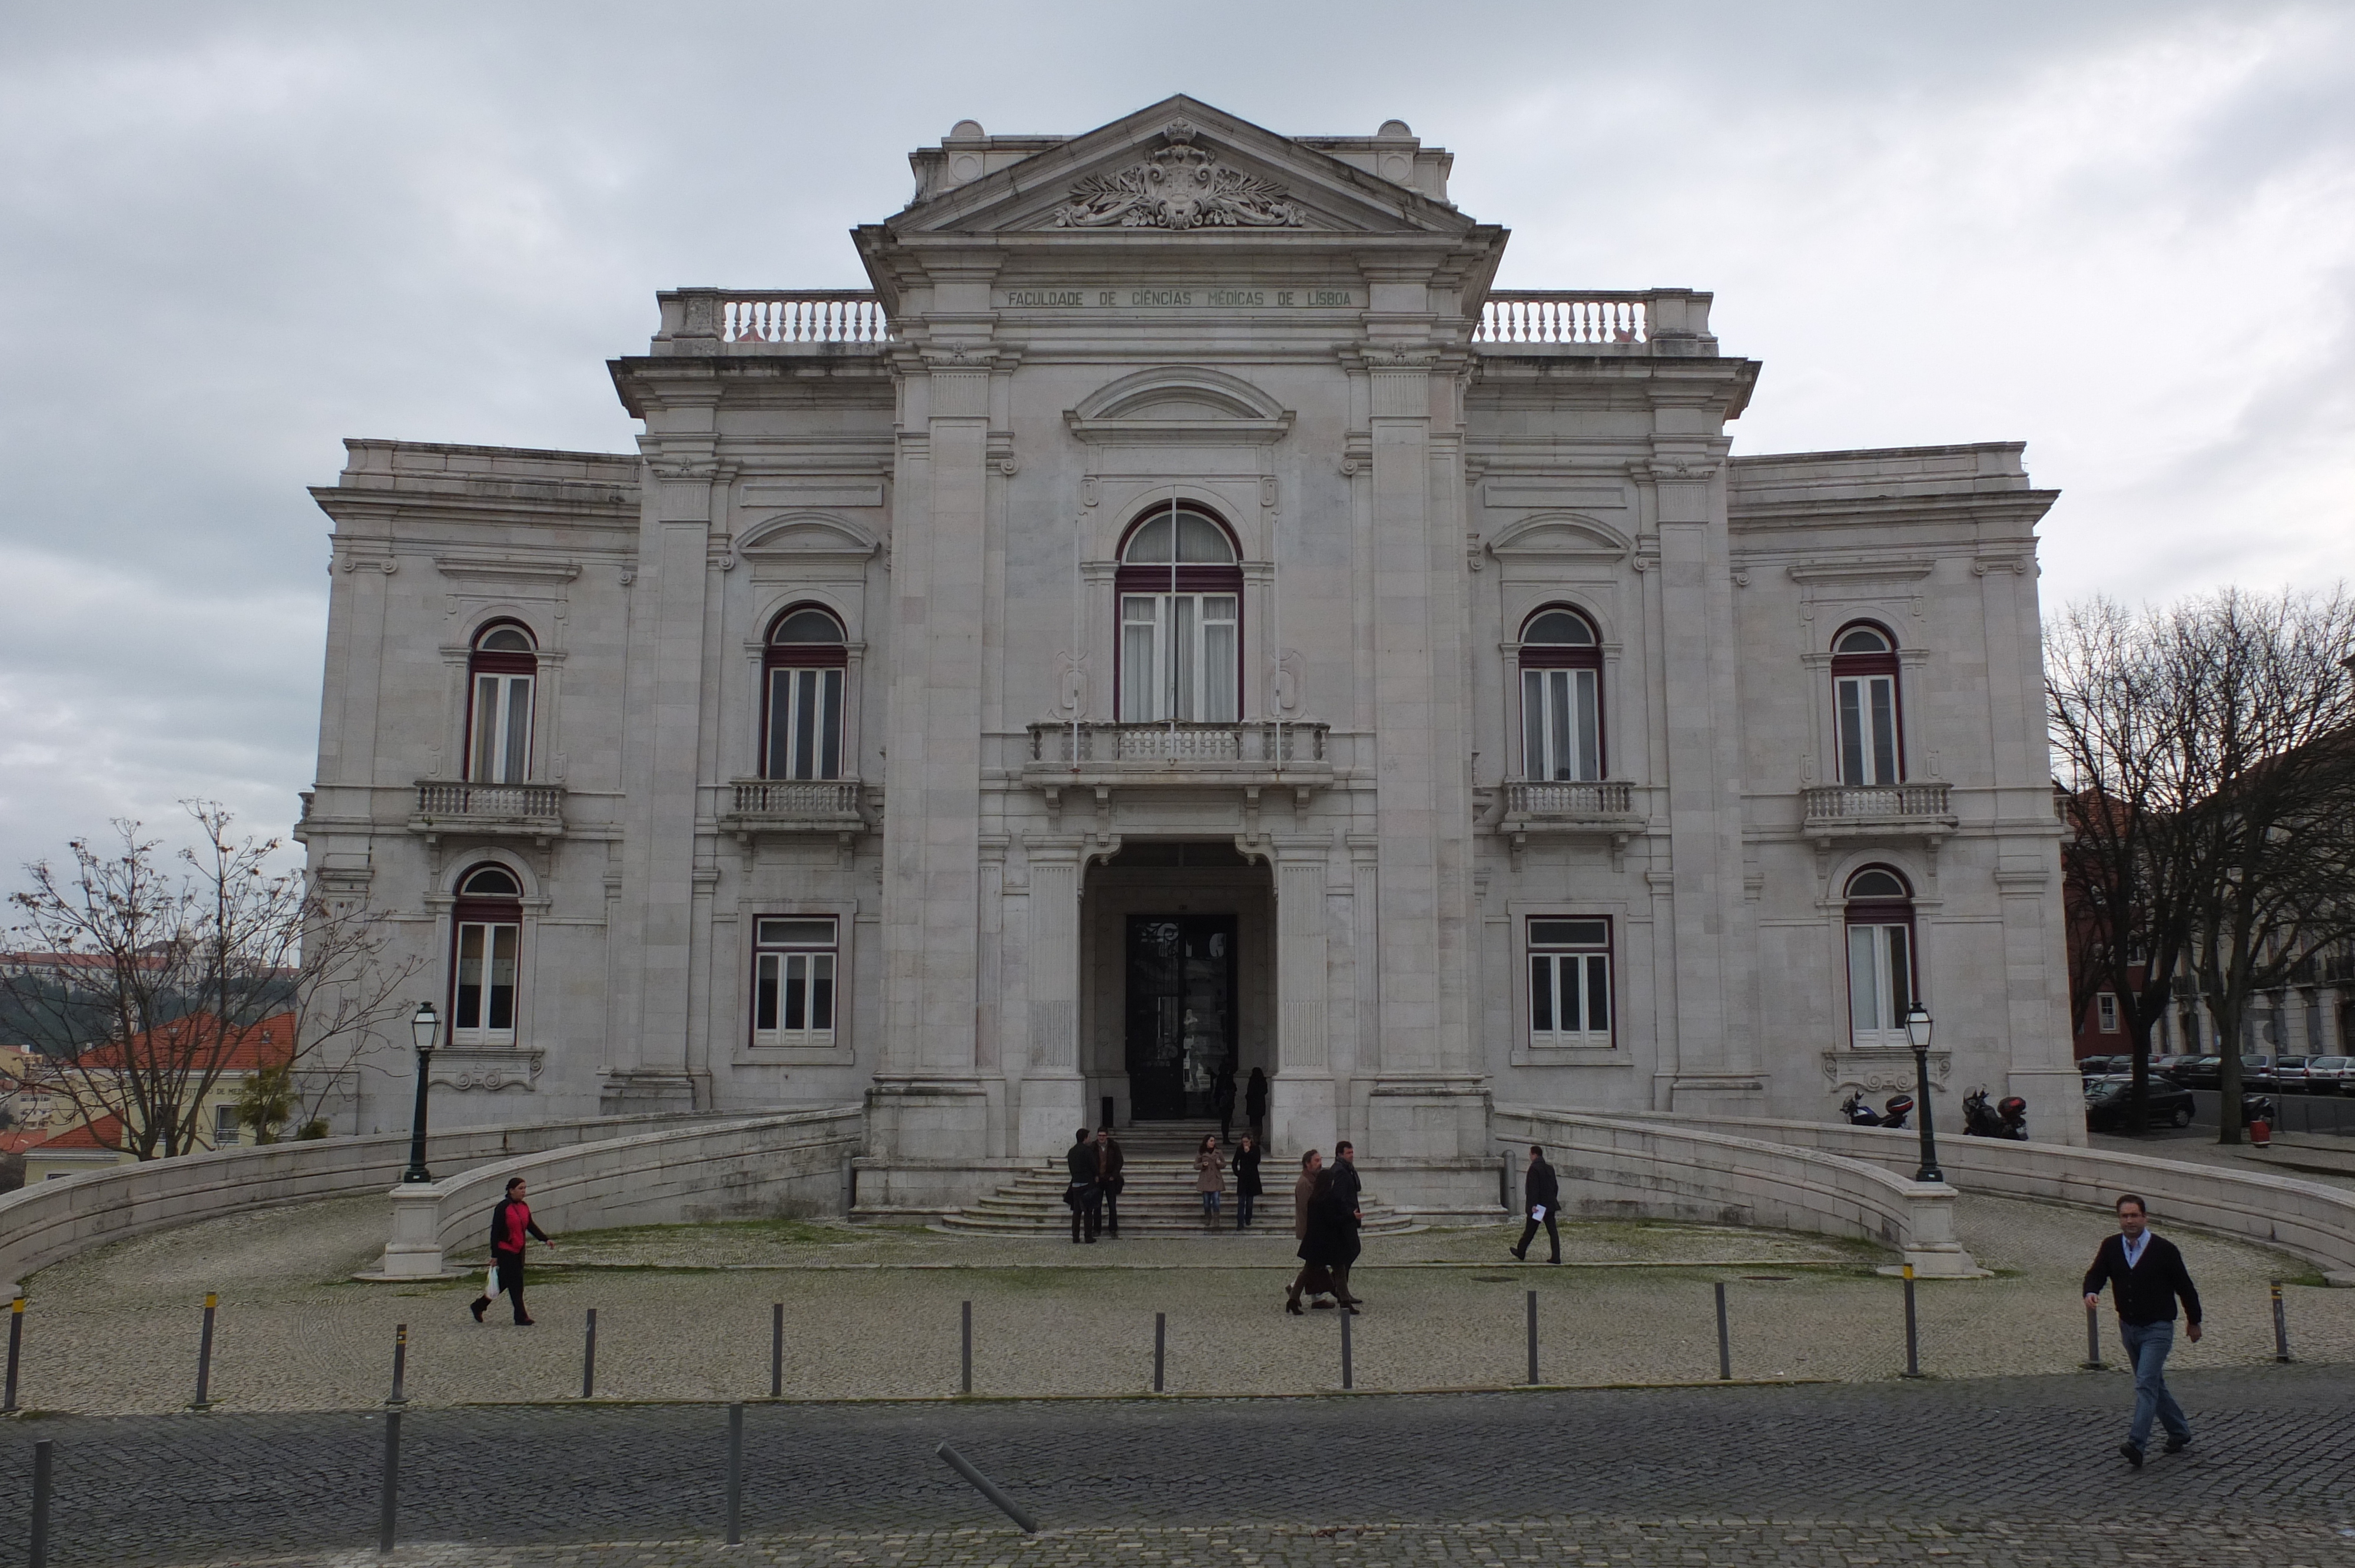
1332, 1239
1247, 1188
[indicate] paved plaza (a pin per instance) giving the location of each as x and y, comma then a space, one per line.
1995, 1471
684, 1312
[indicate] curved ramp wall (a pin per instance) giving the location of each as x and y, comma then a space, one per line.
1618, 1167
787, 1162
2312, 1219
43, 1224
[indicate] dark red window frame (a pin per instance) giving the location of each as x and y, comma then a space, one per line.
502, 909
1871, 665
481, 661
1569, 656
1200, 578
775, 655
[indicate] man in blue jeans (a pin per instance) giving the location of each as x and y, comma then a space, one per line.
2145, 1275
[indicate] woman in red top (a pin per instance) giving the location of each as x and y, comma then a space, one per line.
510, 1223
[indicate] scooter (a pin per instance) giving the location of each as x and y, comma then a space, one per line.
1893, 1112
2007, 1118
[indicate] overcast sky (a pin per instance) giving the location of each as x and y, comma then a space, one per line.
232, 235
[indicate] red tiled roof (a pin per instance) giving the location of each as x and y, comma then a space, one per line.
269, 1043
106, 1132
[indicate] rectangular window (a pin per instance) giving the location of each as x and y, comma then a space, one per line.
793, 968
805, 723
224, 1126
1868, 728
501, 746
2105, 1008
1562, 728
1570, 983
1880, 983
483, 1009
1179, 657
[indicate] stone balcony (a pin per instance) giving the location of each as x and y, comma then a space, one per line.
447, 806
1603, 808
1248, 756
1830, 813
784, 808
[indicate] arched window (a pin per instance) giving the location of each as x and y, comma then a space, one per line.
484, 950
502, 671
1181, 595
1561, 697
806, 663
1882, 981
1870, 733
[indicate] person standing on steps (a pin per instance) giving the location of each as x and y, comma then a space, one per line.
1346, 1188
1255, 1104
1247, 1187
1222, 1099
1109, 1181
1313, 1278
1209, 1180
1082, 1196
510, 1223
2146, 1276
1540, 1197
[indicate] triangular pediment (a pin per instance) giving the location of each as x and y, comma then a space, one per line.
1179, 167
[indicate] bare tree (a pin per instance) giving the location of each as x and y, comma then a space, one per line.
2209, 755
138, 983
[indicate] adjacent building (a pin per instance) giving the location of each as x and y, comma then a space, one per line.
1184, 617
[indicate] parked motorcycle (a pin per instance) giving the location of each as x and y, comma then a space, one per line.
2006, 1118
1893, 1112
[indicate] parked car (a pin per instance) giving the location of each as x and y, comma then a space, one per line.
2331, 1075
2096, 1066
2199, 1072
2288, 1075
2108, 1100
2173, 1067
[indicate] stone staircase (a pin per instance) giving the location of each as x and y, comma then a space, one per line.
1159, 1199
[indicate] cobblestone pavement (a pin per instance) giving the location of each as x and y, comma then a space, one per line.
2015, 1471
684, 1312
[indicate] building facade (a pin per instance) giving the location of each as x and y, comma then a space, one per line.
1185, 618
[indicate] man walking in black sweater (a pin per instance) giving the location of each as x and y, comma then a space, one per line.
2145, 1275
1541, 1195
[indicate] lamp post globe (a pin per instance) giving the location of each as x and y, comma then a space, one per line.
1917, 1033
424, 1026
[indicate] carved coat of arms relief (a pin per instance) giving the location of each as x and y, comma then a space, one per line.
1180, 187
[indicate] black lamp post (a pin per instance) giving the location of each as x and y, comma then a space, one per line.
1917, 1032
422, 1028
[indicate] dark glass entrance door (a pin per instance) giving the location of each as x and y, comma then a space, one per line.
1181, 1011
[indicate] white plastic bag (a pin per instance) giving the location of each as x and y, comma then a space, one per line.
491, 1281
1537, 1212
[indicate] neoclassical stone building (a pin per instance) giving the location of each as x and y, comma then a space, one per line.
1185, 616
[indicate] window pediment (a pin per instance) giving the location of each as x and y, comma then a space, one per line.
806, 533
1179, 404
1559, 537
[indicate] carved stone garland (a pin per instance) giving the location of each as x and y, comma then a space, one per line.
1180, 187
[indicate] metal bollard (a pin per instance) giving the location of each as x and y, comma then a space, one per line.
388, 1500
1160, 1346
736, 1475
38, 1556
1724, 1341
588, 1359
2092, 1362
1912, 1341
1533, 1338
981, 1483
1348, 1372
967, 1384
400, 1364
15, 1352
2281, 1325
777, 1350
205, 1358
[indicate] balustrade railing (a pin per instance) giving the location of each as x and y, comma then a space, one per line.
1555, 315
813, 316
1874, 802
504, 802
809, 799
1552, 797
1228, 745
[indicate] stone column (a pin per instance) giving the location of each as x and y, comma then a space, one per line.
2334, 1044
1053, 1091
647, 1060
928, 1102
1301, 1113
1716, 1048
